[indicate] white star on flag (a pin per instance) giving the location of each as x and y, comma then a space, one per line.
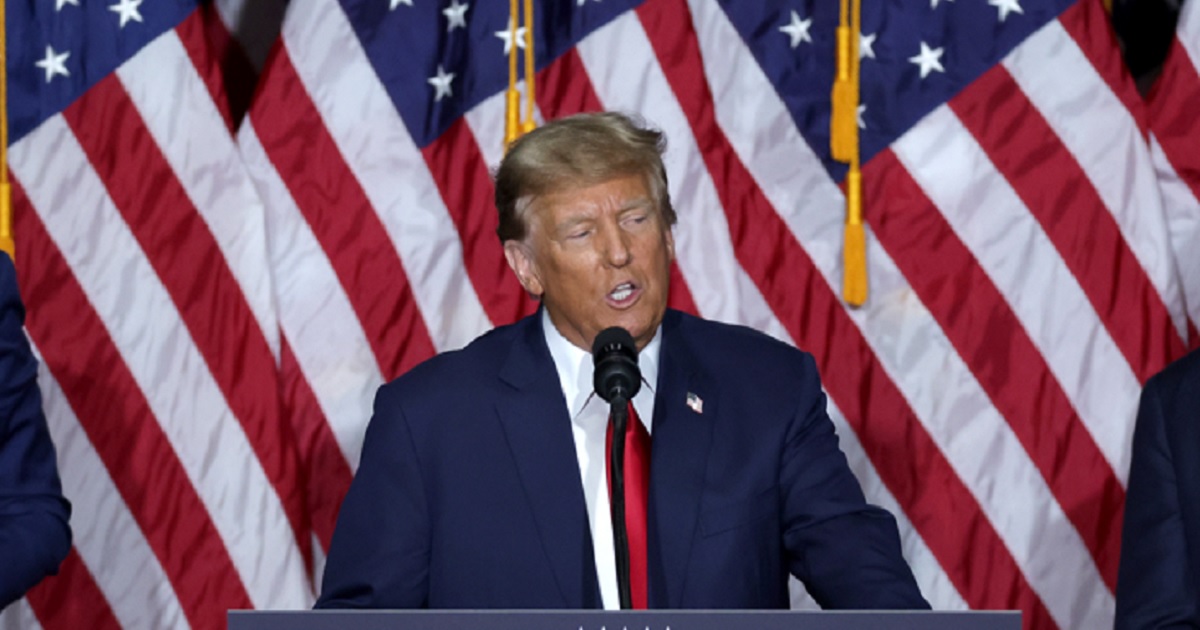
859, 114
695, 403
1007, 6
798, 30
457, 15
53, 63
396, 3
933, 3
441, 83
507, 36
59, 4
929, 59
866, 46
128, 10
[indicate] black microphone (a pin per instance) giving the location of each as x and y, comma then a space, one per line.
617, 379
617, 375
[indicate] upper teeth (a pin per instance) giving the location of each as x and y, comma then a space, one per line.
622, 292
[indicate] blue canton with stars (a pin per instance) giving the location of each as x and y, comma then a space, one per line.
962, 40
440, 59
408, 41
57, 49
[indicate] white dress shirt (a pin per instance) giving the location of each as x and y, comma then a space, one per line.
589, 424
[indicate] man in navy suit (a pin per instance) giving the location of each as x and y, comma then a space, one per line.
482, 482
34, 536
1158, 584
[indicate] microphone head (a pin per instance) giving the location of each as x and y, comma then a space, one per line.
615, 356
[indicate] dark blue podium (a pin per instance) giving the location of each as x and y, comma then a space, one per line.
621, 620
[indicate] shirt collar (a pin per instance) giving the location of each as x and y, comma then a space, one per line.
576, 369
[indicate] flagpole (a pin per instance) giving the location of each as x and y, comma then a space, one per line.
512, 97
6, 236
528, 124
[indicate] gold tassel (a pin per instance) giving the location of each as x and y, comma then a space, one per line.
6, 236
512, 97
854, 248
528, 123
516, 124
843, 145
843, 122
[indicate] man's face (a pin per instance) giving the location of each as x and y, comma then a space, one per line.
598, 256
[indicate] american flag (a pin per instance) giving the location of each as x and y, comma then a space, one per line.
216, 298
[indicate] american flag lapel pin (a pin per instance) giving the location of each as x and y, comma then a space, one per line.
695, 403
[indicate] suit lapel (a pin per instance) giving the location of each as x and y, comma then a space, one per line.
535, 420
681, 441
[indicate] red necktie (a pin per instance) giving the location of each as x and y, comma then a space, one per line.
637, 490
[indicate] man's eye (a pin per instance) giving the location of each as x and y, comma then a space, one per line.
579, 234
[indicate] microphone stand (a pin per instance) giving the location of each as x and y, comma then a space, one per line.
619, 411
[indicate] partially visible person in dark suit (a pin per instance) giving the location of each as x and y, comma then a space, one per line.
1158, 585
34, 534
483, 474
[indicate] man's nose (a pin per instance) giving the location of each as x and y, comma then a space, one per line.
617, 252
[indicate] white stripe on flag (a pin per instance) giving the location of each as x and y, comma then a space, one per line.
1026, 268
388, 165
19, 616
909, 343
164, 361
1182, 210
720, 287
194, 140
954, 172
108, 539
1076, 101
315, 314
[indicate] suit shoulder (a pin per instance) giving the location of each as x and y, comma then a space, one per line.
1183, 374
482, 357
1176, 392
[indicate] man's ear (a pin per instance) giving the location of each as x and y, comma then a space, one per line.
520, 260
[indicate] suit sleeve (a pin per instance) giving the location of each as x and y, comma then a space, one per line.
379, 557
846, 551
34, 535
1155, 586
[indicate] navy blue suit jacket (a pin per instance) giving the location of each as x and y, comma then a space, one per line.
34, 536
469, 496
1158, 584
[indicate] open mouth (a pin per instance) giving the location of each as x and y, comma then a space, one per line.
622, 292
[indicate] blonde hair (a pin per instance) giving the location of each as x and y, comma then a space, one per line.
579, 150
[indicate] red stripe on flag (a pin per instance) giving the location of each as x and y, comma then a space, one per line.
351, 234
461, 175
187, 259
1028, 153
566, 89
1090, 25
221, 62
324, 467
1173, 112
117, 419
949, 519
994, 345
195, 43
71, 599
